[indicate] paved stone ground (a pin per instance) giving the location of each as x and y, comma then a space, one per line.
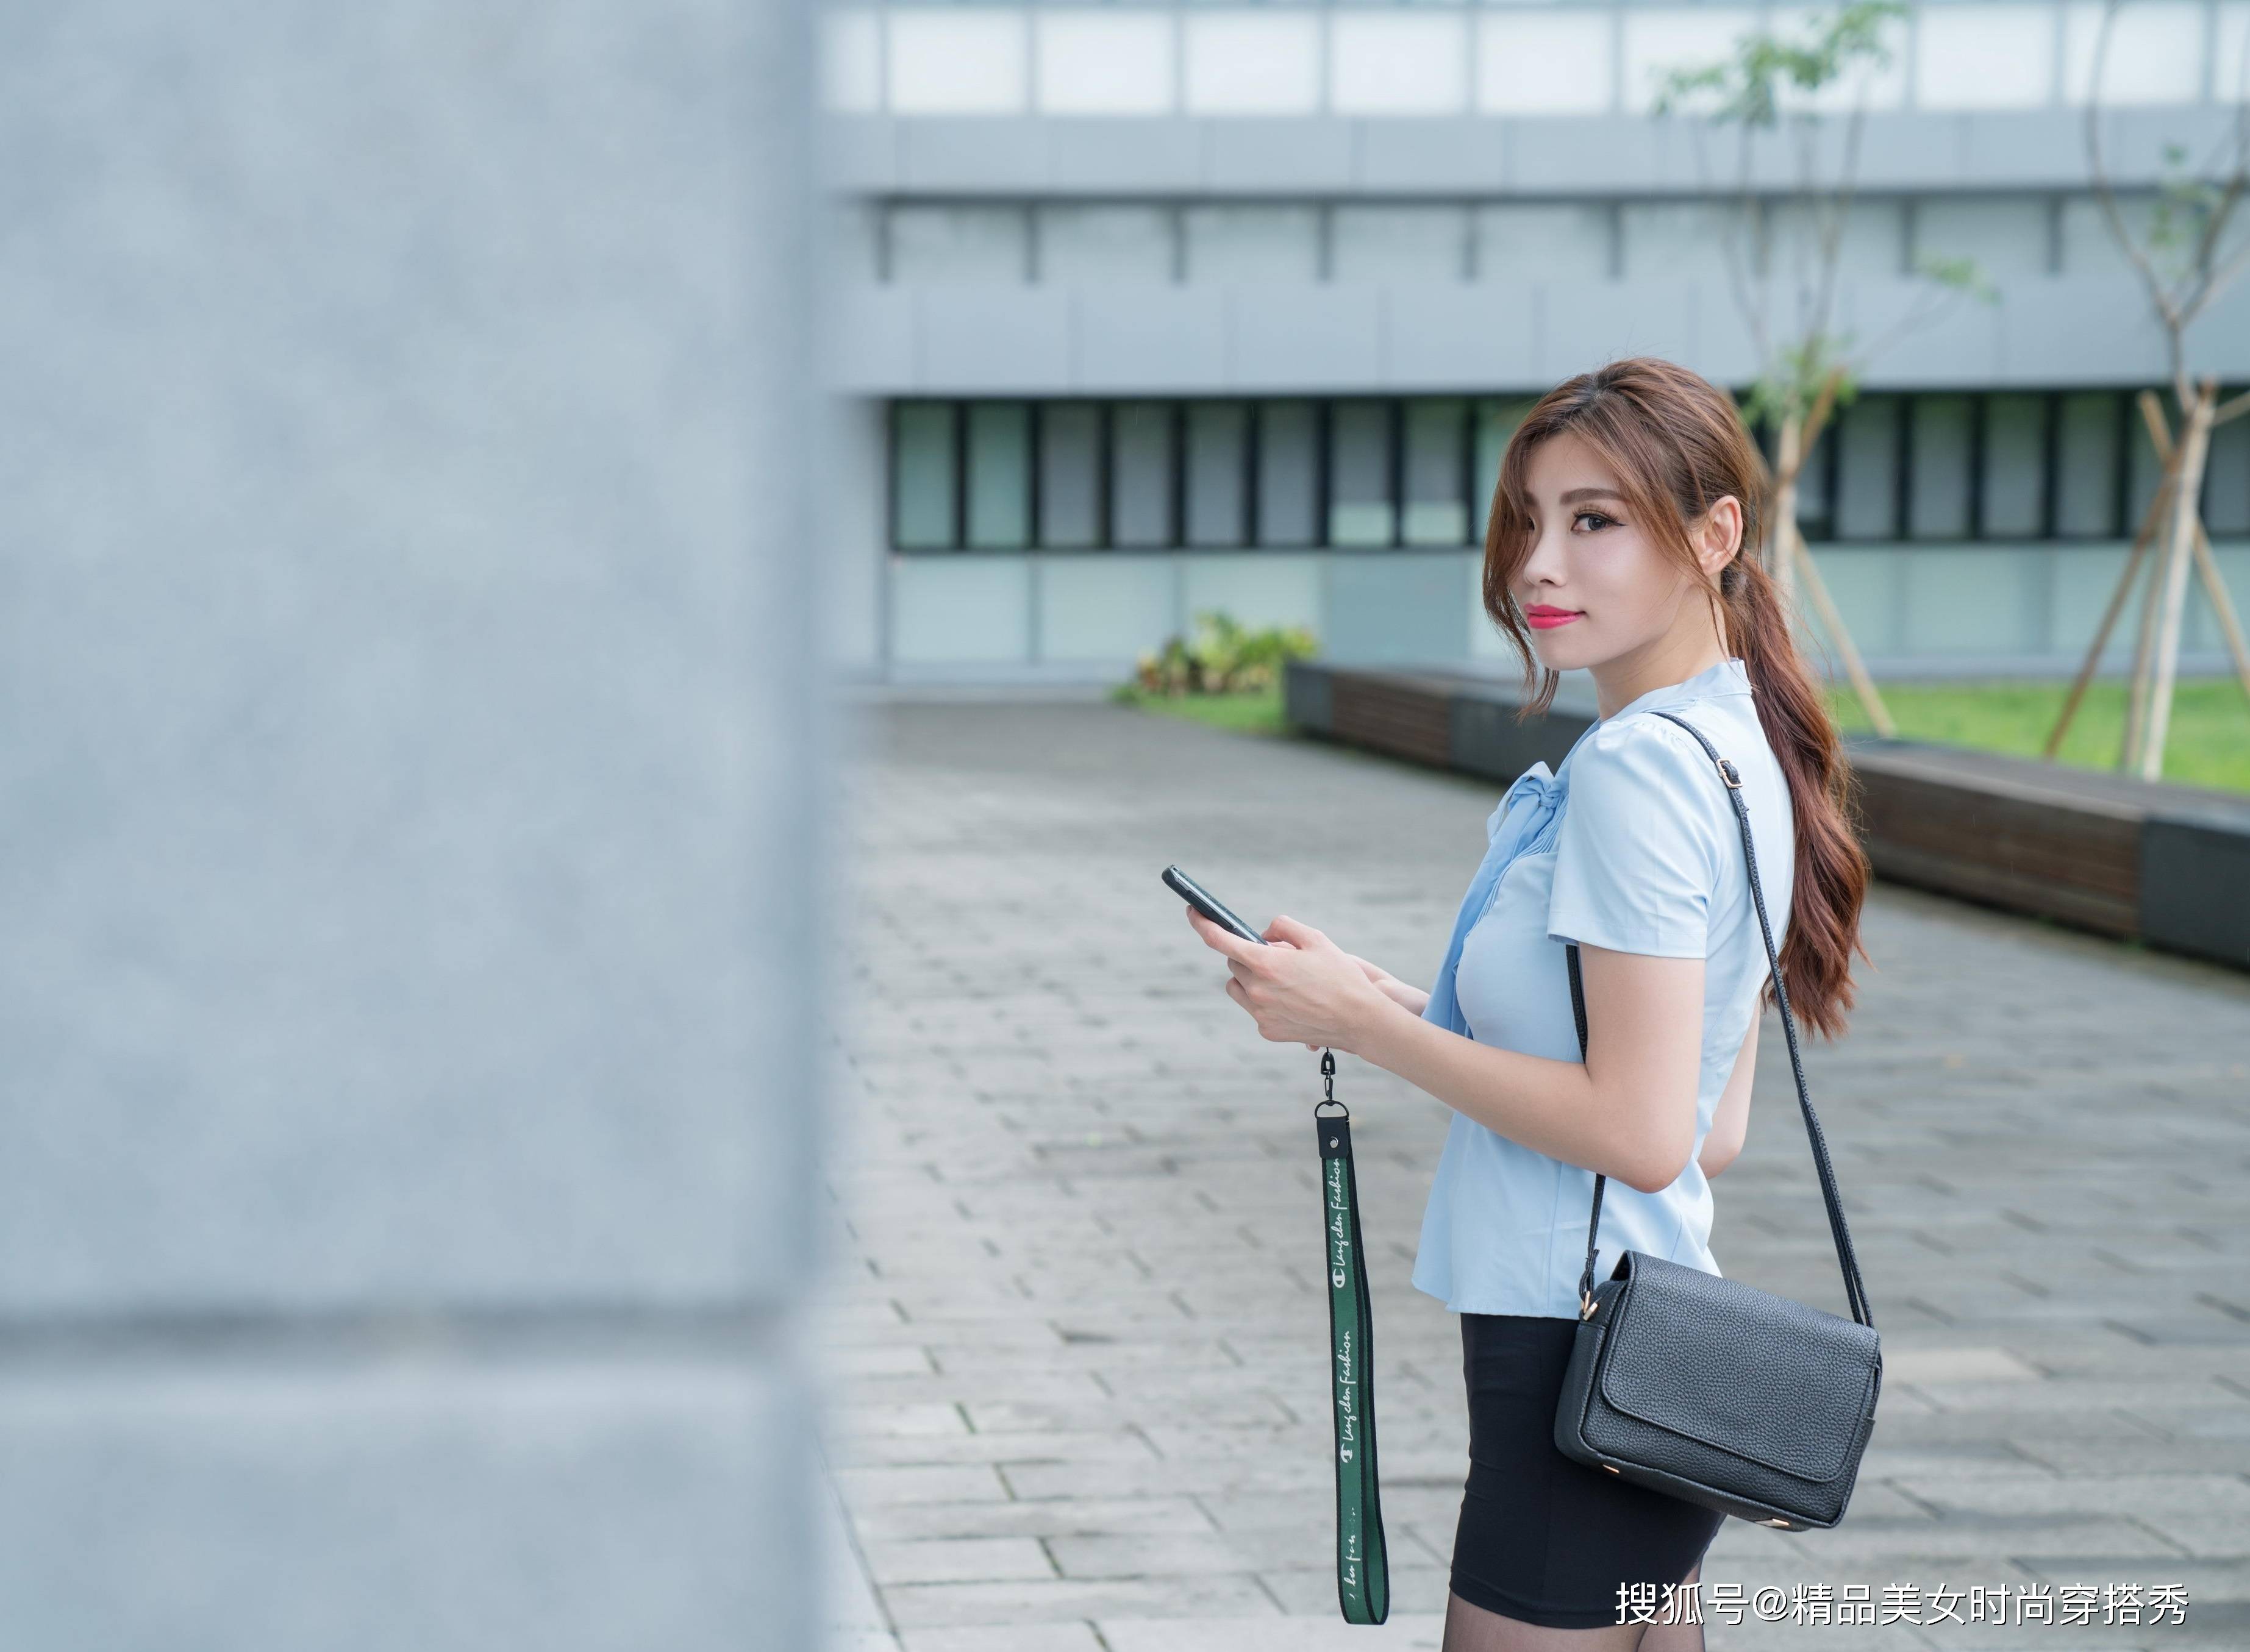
1076, 1310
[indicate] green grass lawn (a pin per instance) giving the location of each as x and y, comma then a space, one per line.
1256, 713
2209, 744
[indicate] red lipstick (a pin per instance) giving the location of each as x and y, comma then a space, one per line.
1542, 617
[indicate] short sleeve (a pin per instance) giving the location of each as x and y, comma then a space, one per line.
1636, 861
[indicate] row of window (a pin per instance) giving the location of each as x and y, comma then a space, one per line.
920, 244
1370, 472
1578, 59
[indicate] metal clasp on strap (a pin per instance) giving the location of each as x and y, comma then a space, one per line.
1585, 1306
1728, 773
1328, 1084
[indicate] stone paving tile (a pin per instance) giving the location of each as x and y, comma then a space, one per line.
1402, 1632
1035, 1637
1074, 1324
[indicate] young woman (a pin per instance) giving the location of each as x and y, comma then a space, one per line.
1624, 536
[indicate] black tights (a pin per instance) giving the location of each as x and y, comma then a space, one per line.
1471, 1629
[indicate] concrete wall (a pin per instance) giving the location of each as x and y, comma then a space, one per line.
409, 1084
1482, 339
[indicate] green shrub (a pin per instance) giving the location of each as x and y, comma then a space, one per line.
1223, 658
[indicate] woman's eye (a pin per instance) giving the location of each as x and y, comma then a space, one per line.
1582, 519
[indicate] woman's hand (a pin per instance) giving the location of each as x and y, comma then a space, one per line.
1302, 988
1391, 986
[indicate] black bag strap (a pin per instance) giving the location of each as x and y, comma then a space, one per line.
1855, 1291
1363, 1560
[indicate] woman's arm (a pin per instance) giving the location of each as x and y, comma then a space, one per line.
1414, 999
1730, 1122
1628, 1111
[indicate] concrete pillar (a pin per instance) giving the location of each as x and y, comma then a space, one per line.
411, 788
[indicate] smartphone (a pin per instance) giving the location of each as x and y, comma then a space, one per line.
1192, 892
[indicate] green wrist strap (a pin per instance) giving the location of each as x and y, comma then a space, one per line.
1363, 1563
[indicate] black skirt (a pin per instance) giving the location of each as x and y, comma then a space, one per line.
1542, 1538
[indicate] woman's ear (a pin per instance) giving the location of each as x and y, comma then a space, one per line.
1719, 535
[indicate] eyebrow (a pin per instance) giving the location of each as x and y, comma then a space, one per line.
1578, 495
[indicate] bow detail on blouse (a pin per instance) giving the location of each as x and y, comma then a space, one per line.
1525, 822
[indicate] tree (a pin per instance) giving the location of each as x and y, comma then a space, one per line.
1781, 92
2177, 255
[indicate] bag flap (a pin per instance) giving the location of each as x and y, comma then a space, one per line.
1753, 1374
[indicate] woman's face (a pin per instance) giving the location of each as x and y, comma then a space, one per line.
1593, 586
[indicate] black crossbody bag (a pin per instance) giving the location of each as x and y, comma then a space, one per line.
1709, 1389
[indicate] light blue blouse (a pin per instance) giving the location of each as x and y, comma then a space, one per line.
1632, 846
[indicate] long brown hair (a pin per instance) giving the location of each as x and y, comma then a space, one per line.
1678, 445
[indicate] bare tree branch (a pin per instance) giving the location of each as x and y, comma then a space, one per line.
2098, 167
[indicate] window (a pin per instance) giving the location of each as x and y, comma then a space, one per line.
1437, 472
1218, 472
2011, 502
2142, 470
1941, 459
1070, 475
1373, 472
924, 473
2089, 442
1289, 467
1868, 469
1141, 496
1496, 424
999, 475
1816, 487
1360, 510
2226, 479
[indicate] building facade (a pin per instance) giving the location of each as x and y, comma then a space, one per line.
1149, 310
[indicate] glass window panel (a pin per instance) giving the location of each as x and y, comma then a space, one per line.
1866, 486
2142, 470
958, 62
1944, 434
1253, 62
1288, 473
1360, 507
1983, 57
1105, 63
1218, 464
2155, 55
1543, 61
1864, 85
2087, 445
923, 475
1141, 473
1658, 40
1437, 450
1496, 422
2015, 506
1070, 474
1397, 62
2226, 480
999, 475
1812, 502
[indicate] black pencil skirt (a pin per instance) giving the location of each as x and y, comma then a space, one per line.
1543, 1540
